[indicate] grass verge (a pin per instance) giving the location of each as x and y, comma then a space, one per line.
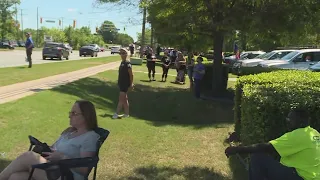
12, 75
169, 135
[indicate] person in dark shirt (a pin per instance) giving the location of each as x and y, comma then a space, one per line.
29, 46
151, 64
165, 66
125, 83
298, 151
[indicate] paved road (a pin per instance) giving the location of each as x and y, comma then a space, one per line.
17, 57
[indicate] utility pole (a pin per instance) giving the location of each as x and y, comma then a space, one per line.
37, 26
143, 34
17, 27
62, 23
22, 23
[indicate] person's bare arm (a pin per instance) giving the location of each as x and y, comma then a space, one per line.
131, 76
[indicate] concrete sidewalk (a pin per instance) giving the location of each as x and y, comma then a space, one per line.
20, 90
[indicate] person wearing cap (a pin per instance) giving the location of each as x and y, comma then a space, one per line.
125, 83
29, 47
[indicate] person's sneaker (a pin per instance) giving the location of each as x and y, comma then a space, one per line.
115, 116
125, 116
153, 79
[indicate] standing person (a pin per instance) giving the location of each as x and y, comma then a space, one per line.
151, 65
198, 73
29, 46
131, 47
125, 83
298, 151
190, 65
166, 61
181, 68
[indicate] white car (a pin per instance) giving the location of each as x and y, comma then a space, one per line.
295, 60
96, 47
115, 49
276, 54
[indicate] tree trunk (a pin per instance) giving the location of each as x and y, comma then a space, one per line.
217, 79
143, 33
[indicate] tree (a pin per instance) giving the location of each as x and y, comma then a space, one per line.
6, 20
218, 19
147, 39
123, 39
108, 31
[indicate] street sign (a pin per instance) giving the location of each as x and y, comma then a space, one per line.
48, 38
50, 21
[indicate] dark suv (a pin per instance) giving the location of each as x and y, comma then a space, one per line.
55, 50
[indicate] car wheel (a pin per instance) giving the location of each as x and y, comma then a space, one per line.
96, 54
67, 58
60, 58
44, 58
92, 55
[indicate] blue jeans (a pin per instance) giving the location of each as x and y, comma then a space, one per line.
197, 87
263, 166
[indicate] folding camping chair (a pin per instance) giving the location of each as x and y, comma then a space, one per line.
67, 164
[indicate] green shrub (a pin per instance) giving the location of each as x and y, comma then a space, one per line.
263, 101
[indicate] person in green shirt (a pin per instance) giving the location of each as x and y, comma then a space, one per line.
298, 151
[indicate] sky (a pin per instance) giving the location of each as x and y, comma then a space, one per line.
85, 12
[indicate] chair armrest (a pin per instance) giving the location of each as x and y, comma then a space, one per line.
69, 163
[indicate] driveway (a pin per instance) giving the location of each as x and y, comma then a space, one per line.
17, 57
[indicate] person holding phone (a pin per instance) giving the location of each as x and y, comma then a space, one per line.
77, 141
151, 65
166, 61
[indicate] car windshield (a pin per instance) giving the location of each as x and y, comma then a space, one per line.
265, 55
289, 56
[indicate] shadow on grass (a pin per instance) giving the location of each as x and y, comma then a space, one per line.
159, 106
4, 163
162, 173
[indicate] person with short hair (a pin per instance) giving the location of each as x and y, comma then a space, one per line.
125, 83
151, 65
166, 61
298, 151
199, 71
29, 46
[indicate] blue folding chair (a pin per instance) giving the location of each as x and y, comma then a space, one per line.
64, 166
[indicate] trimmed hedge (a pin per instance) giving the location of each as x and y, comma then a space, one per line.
263, 101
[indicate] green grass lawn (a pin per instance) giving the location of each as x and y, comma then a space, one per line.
12, 75
169, 135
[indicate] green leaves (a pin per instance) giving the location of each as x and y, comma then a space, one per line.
263, 101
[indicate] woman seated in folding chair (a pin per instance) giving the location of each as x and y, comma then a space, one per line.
77, 141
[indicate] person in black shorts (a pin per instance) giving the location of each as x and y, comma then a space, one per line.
125, 83
165, 66
151, 64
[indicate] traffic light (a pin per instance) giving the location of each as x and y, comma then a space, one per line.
40, 20
59, 22
74, 23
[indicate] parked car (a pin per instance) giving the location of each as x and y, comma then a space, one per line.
276, 54
21, 44
88, 50
6, 44
244, 55
315, 67
115, 49
55, 50
295, 60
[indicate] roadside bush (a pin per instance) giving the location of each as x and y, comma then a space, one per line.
263, 101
